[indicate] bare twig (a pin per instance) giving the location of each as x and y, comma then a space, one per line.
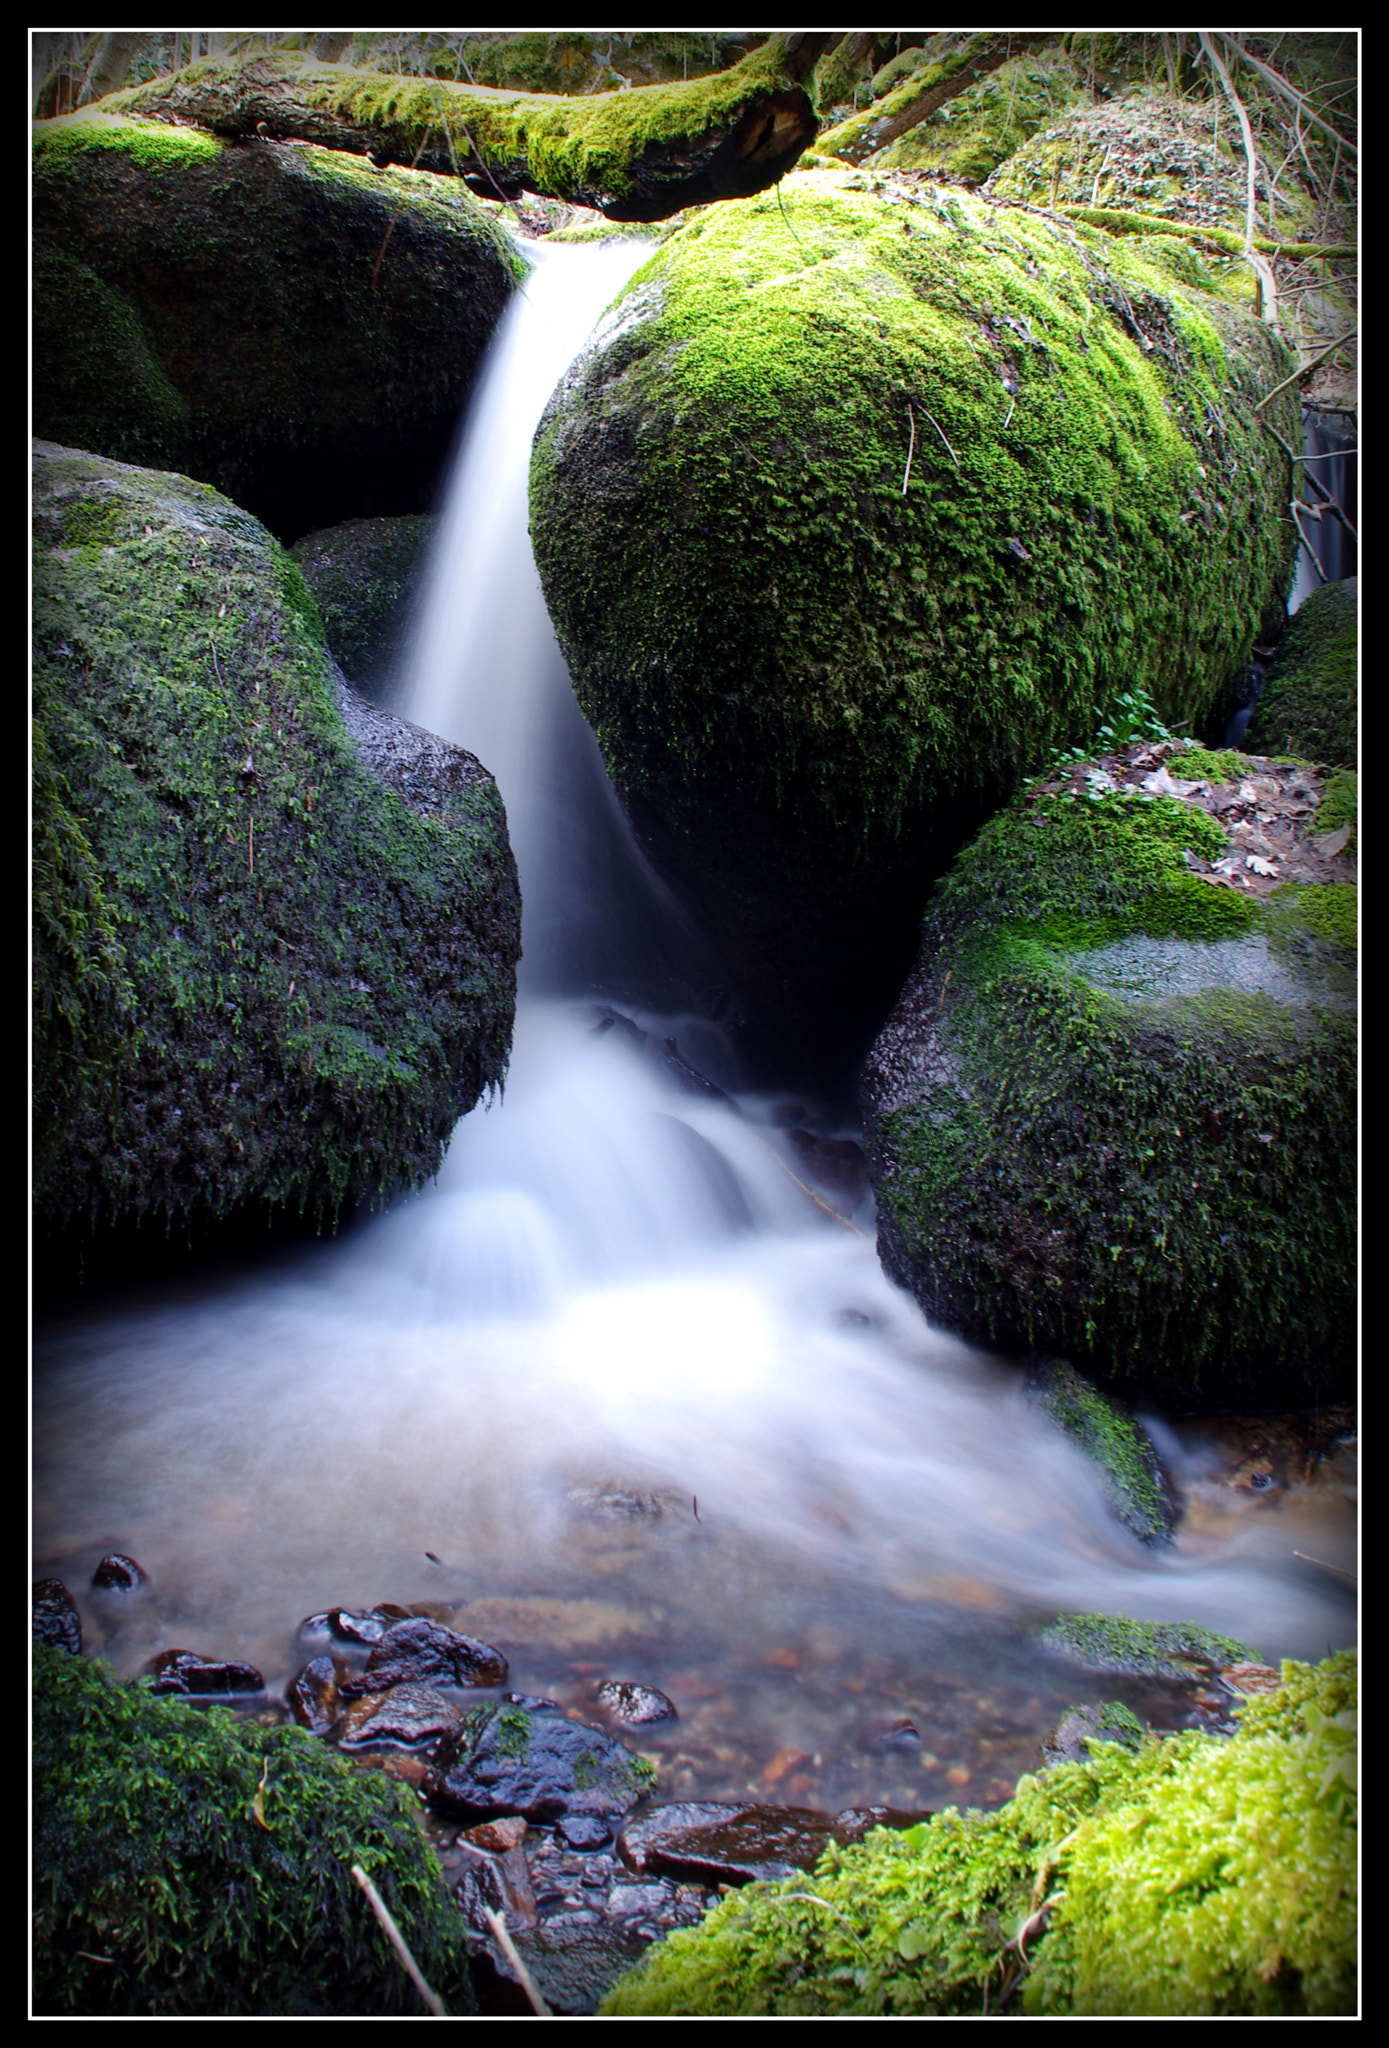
1307, 369
911, 450
1329, 503
497, 1923
1296, 511
1324, 1565
814, 1899
1262, 270
1289, 92
398, 1943
940, 430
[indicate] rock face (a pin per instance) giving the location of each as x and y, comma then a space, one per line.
1310, 701
1113, 1114
506, 1759
859, 502
282, 321
275, 954
363, 575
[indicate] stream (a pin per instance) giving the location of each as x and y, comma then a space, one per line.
614, 1390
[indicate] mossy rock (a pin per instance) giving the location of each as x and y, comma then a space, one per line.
860, 502
364, 575
1113, 1115
1310, 702
1118, 1446
1155, 1649
189, 1865
266, 979
1183, 1877
284, 322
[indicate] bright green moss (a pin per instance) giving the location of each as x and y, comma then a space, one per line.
844, 413
1116, 1445
971, 135
153, 145
1161, 1649
191, 1865
1184, 1877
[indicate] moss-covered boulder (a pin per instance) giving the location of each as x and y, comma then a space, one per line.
1311, 700
364, 575
1185, 1877
860, 501
1119, 1447
1113, 1115
188, 1865
285, 322
274, 959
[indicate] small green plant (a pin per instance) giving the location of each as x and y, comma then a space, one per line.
1131, 717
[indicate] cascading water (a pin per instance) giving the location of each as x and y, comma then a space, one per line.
615, 1386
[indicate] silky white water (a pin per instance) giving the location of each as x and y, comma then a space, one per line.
614, 1385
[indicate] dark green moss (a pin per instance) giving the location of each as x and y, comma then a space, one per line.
363, 575
190, 1865
1160, 1186
1116, 1444
259, 977
1310, 703
287, 323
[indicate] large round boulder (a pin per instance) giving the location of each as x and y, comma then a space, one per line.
365, 577
1113, 1114
276, 929
862, 499
285, 322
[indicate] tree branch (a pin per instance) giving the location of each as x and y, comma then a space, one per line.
638, 155
926, 90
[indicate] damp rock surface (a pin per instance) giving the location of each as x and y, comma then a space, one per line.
508, 1760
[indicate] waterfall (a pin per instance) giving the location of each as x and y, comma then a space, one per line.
614, 1368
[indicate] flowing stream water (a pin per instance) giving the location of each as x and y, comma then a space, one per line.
613, 1389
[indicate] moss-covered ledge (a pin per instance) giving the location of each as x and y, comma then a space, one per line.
637, 155
270, 972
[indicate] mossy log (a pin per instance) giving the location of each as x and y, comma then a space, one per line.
920, 96
637, 155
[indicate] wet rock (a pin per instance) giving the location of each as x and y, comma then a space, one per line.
1118, 1446
1069, 1741
882, 1738
118, 1573
505, 1759
56, 1619
1249, 1681
1161, 1649
502, 1841
312, 1695
583, 1831
636, 1706
184, 1671
363, 1627
728, 1845
838, 1165
418, 1651
407, 1716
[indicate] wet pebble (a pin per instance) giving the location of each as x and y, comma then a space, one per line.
184, 1671
312, 1696
505, 1759
119, 1573
56, 1619
418, 1651
741, 1846
634, 1705
407, 1716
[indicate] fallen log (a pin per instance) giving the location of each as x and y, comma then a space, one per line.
638, 155
919, 96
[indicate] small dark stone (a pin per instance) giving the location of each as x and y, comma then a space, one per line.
755, 1843
56, 1619
503, 1759
1069, 1741
407, 1717
531, 1703
883, 1737
839, 1165
184, 1671
634, 1705
119, 1573
583, 1831
857, 1822
641, 1839
312, 1696
420, 1652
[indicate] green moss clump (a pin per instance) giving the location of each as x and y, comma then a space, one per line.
971, 135
1088, 1140
1310, 702
1185, 1877
191, 1865
1116, 1444
262, 979
1162, 1649
287, 323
